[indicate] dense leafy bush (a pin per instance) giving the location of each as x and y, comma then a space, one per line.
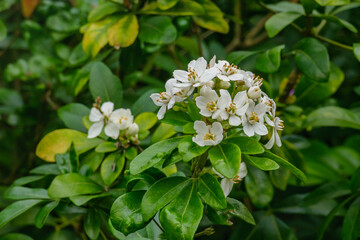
81, 86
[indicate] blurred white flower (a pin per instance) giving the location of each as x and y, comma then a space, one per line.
253, 120
133, 129
228, 72
99, 118
207, 101
277, 125
165, 100
207, 135
254, 92
120, 119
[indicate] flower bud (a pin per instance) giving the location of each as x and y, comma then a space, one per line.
210, 84
224, 85
133, 129
254, 92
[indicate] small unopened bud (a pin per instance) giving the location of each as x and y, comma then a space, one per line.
224, 84
210, 84
254, 92
133, 129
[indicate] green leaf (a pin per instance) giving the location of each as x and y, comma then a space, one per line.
350, 228
68, 162
59, 141
211, 192
46, 169
15, 236
160, 194
3, 30
106, 147
92, 223
103, 83
189, 150
265, 164
18, 192
337, 20
125, 213
312, 59
332, 2
238, 56
226, 159
143, 104
355, 181
332, 116
279, 21
96, 36
180, 219
72, 184
124, 32
182, 8
259, 187
356, 47
15, 209
177, 118
25, 180
104, 9
193, 111
44, 212
112, 167
269, 61
282, 162
238, 209
157, 30
166, 4
81, 200
153, 154
162, 132
212, 19
131, 153
93, 160
146, 120
246, 144
346, 7
72, 114
286, 7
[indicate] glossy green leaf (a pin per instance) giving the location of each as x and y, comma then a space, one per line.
259, 187
332, 2
125, 213
15, 236
350, 228
104, 9
143, 104
279, 21
189, 150
180, 219
238, 209
160, 194
103, 83
67, 162
356, 50
18, 192
211, 192
81, 200
157, 30
166, 4
3, 30
265, 164
312, 59
72, 114
337, 20
182, 8
286, 7
226, 159
131, 153
246, 144
25, 180
162, 132
124, 32
282, 162
355, 181
92, 223
44, 212
60, 140
72, 184
106, 147
269, 61
112, 167
332, 116
46, 169
146, 120
15, 209
212, 19
237, 56
93, 160
346, 7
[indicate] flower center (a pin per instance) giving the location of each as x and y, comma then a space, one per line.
237, 179
253, 117
209, 136
180, 93
281, 125
229, 69
122, 118
192, 76
164, 97
232, 108
211, 106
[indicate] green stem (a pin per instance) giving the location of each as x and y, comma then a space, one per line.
206, 232
334, 42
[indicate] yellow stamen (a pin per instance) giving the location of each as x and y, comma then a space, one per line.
209, 136
211, 106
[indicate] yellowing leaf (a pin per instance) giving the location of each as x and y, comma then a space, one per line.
124, 32
60, 140
96, 36
28, 7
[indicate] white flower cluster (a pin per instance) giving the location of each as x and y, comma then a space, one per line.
120, 120
225, 93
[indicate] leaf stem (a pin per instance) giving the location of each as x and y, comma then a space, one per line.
341, 45
206, 232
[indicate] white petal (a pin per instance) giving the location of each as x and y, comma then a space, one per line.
161, 112
234, 120
156, 99
241, 111
248, 128
112, 130
260, 109
212, 61
170, 84
268, 121
260, 129
208, 75
240, 98
224, 99
217, 173
181, 75
191, 65
242, 170
107, 108
270, 143
201, 127
95, 115
277, 139
251, 107
199, 140
95, 129
236, 77
227, 185
171, 103
200, 66
223, 77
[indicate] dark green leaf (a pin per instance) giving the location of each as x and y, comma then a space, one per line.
182, 8
2, 30
81, 200
106, 147
18, 192
355, 181
46, 169
43, 213
104, 9
211, 191
238, 209
157, 30
226, 159
93, 160
279, 21
72, 114
246, 144
189, 150
337, 20
269, 61
25, 180
265, 164
162, 132
166, 4
356, 47
112, 167
238, 56
15, 236
332, 2
68, 162
286, 7
350, 229
92, 223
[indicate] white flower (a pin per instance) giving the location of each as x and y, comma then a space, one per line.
133, 129
99, 118
206, 102
277, 125
253, 120
254, 92
231, 109
207, 135
165, 100
120, 119
228, 183
224, 85
197, 74
228, 72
